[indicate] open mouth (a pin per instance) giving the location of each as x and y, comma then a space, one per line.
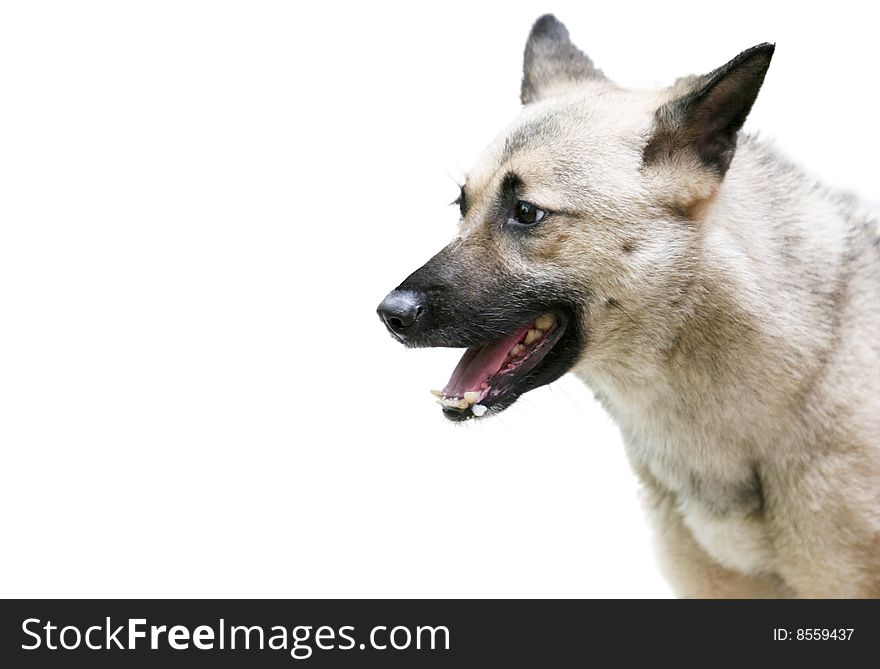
495, 373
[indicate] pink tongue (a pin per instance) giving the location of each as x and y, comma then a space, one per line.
479, 363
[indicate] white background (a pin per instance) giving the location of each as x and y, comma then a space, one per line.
201, 204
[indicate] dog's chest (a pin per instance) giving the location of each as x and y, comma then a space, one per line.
737, 541
718, 491
720, 500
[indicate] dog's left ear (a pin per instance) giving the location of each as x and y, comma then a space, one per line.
552, 63
693, 138
704, 119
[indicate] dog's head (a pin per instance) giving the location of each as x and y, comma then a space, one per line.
577, 224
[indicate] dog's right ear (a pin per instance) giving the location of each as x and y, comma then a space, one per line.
552, 63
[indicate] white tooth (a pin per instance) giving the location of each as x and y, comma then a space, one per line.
471, 397
545, 322
516, 350
437, 393
533, 336
478, 409
462, 404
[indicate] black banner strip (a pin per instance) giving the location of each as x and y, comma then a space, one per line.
430, 633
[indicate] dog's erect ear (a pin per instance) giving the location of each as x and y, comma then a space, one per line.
704, 117
552, 63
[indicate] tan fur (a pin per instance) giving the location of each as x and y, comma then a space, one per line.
733, 333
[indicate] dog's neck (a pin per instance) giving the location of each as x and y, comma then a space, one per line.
735, 354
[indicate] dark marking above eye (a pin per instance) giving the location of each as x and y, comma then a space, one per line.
509, 186
629, 246
462, 202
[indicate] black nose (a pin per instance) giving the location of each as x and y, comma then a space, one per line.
401, 309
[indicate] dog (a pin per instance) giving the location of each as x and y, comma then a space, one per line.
722, 307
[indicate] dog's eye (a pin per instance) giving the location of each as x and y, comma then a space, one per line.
525, 213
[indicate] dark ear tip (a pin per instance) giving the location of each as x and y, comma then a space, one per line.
548, 26
754, 60
763, 51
